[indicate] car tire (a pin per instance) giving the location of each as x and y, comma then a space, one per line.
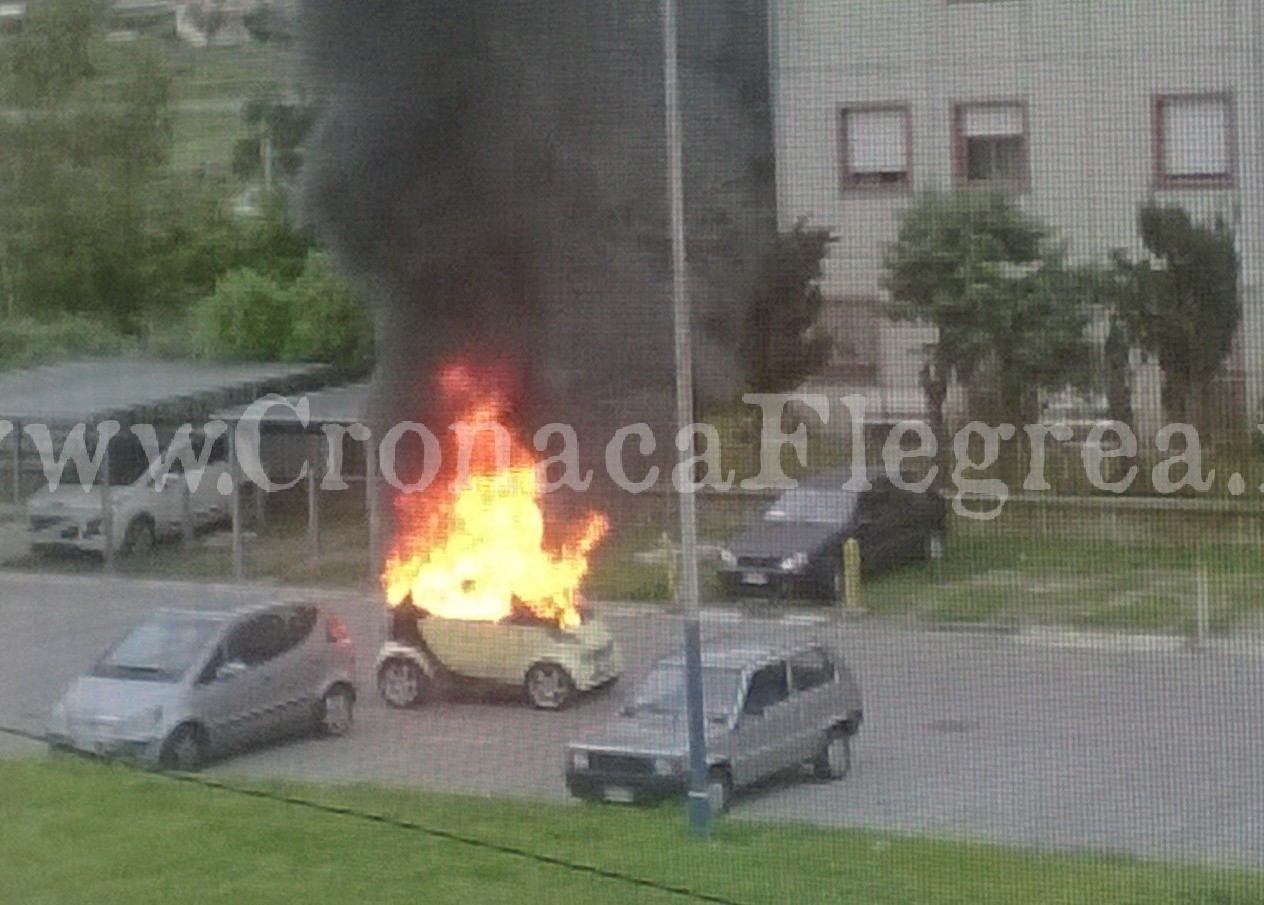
402, 683
184, 749
139, 536
935, 545
335, 713
719, 790
549, 686
834, 759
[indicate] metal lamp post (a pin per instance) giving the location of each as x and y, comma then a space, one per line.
687, 587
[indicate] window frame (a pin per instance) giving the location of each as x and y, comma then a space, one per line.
960, 146
1158, 141
848, 181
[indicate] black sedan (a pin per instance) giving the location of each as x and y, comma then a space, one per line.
795, 548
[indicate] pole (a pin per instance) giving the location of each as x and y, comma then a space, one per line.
239, 566
687, 592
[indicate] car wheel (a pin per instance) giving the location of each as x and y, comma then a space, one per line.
402, 683
935, 544
719, 790
549, 686
834, 759
184, 749
336, 708
139, 537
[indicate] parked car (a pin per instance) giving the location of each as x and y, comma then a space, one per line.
550, 664
795, 547
184, 686
767, 709
147, 500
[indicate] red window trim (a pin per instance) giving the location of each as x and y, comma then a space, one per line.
959, 162
1164, 180
847, 180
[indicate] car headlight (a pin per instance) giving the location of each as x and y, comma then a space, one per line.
92, 527
143, 722
727, 557
795, 563
579, 760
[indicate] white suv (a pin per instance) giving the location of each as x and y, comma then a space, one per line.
146, 499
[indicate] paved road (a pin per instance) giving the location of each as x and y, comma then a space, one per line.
1047, 741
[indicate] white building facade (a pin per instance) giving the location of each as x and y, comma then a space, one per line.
1083, 110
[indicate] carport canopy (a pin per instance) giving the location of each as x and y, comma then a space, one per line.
135, 391
344, 406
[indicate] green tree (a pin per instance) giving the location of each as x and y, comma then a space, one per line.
778, 350
247, 318
1181, 304
328, 322
1009, 315
76, 171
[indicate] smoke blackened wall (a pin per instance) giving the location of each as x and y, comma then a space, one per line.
494, 174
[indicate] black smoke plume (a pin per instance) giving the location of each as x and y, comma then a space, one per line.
493, 173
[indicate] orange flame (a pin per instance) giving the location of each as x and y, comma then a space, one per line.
472, 546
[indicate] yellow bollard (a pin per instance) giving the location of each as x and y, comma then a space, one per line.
851, 573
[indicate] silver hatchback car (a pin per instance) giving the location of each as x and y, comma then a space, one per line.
184, 685
768, 709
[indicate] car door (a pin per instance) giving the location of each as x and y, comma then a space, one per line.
760, 743
812, 699
873, 527
299, 666
234, 691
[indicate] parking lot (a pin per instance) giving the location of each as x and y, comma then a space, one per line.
1045, 741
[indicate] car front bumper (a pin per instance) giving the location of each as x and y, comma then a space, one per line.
601, 785
764, 582
138, 750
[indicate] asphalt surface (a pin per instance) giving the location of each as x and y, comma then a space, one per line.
1059, 741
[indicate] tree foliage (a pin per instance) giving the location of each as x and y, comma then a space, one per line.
779, 350
76, 172
254, 316
1181, 304
1010, 316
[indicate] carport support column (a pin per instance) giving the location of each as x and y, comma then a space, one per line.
234, 505
313, 497
371, 503
107, 509
17, 462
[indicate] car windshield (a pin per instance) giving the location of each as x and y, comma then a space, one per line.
812, 504
160, 650
663, 691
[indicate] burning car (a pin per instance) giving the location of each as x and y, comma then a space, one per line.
478, 588
551, 663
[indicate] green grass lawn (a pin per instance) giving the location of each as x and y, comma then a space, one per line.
77, 831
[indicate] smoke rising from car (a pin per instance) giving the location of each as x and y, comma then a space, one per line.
493, 173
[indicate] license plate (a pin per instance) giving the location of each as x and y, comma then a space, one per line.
754, 578
618, 794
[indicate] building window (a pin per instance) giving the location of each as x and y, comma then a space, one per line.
1193, 140
991, 143
876, 147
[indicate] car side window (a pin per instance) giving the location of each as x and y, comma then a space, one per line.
810, 669
258, 640
767, 687
298, 625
